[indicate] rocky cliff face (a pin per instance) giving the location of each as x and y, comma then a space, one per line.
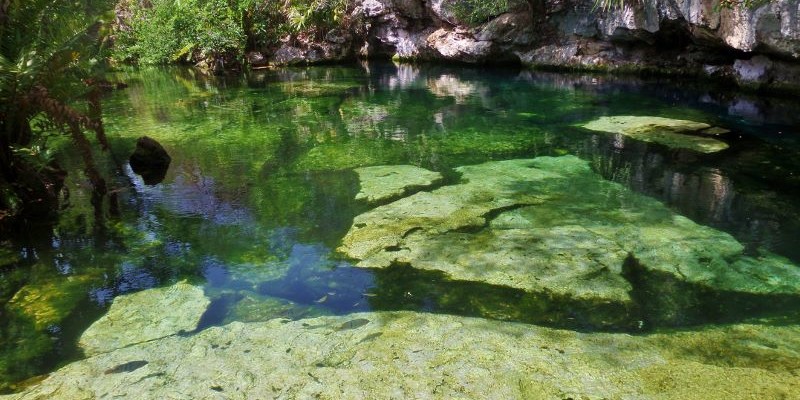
757, 47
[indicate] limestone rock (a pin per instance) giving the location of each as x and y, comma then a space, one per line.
455, 46
429, 231
669, 132
550, 225
289, 55
335, 47
385, 182
420, 355
144, 316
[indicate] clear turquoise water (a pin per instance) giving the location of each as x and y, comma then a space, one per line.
261, 191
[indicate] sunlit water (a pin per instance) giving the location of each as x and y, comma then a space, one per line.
261, 191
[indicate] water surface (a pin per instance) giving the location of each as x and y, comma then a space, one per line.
261, 191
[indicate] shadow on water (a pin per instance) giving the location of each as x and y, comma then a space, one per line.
659, 300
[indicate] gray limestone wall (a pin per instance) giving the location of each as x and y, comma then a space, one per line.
756, 47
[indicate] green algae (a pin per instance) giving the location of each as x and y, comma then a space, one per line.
349, 154
47, 303
35, 314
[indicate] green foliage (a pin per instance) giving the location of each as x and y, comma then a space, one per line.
314, 15
166, 31
171, 30
722, 4
475, 12
47, 52
729, 4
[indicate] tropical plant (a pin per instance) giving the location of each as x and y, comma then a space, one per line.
479, 11
314, 16
163, 31
721, 4
49, 53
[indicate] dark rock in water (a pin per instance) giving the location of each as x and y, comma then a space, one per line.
150, 160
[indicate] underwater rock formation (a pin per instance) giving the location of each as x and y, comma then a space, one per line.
551, 225
386, 182
420, 355
145, 316
675, 133
48, 303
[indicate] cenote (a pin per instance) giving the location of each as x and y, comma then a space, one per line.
513, 213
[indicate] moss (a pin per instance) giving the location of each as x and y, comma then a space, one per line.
349, 154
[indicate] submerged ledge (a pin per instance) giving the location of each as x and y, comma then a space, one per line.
550, 225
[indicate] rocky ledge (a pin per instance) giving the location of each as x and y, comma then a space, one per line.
757, 47
428, 356
550, 226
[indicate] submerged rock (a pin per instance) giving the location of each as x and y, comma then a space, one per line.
676, 133
551, 225
385, 182
150, 160
51, 301
145, 316
419, 355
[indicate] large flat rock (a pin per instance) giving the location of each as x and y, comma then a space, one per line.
676, 133
429, 356
144, 316
550, 225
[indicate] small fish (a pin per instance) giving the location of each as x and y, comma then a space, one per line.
353, 324
371, 336
127, 367
322, 299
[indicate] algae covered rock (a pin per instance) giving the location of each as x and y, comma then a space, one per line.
676, 133
487, 188
49, 302
421, 355
551, 225
145, 316
385, 182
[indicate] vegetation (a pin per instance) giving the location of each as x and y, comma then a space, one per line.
163, 31
475, 12
49, 52
611, 4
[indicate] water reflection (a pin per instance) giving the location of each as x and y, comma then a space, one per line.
719, 193
261, 189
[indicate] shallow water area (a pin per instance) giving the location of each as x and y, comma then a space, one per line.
494, 209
